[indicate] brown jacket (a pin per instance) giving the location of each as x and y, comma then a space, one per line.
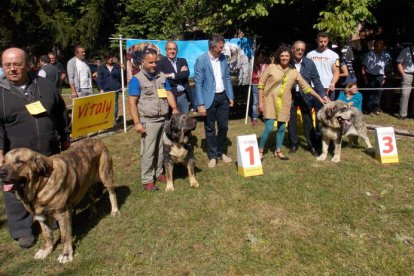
277, 84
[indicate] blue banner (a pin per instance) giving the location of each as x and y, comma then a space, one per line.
238, 51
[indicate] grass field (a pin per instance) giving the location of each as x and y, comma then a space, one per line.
300, 217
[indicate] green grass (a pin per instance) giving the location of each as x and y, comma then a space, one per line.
300, 217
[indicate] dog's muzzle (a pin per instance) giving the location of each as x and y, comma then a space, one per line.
9, 185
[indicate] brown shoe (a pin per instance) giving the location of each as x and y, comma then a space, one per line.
150, 187
280, 155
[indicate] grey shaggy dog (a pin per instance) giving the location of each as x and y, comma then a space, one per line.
337, 120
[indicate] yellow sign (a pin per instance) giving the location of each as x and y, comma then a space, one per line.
93, 113
35, 108
248, 156
386, 145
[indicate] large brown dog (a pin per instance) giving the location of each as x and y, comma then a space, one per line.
178, 147
336, 120
50, 187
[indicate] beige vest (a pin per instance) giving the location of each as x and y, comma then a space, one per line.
150, 106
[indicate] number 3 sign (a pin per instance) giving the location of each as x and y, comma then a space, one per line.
386, 146
248, 157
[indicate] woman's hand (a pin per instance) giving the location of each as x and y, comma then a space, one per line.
260, 107
324, 100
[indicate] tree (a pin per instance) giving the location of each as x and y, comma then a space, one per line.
341, 17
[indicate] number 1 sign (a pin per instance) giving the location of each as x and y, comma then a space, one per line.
386, 146
248, 157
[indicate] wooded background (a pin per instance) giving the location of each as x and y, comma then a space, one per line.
44, 25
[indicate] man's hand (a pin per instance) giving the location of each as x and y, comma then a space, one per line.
175, 110
202, 110
140, 128
332, 86
184, 68
231, 103
73, 93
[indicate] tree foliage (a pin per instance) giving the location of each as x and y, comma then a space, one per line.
341, 17
45, 24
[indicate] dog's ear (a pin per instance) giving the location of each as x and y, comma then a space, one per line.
43, 165
330, 112
167, 127
191, 123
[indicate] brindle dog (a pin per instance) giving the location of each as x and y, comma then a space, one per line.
178, 147
50, 187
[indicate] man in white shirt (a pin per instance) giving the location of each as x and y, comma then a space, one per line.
79, 74
327, 63
405, 67
214, 95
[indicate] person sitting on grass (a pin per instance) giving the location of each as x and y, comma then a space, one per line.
351, 96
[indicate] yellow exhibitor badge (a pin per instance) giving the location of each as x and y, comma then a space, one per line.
35, 108
162, 93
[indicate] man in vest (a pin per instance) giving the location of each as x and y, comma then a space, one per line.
149, 97
49, 71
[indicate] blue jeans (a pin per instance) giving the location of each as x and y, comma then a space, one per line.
182, 103
218, 112
255, 101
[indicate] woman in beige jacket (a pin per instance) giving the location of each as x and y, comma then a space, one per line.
275, 96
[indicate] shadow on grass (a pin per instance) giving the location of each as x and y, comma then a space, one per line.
86, 219
229, 143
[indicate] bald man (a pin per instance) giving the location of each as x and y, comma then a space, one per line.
44, 129
176, 70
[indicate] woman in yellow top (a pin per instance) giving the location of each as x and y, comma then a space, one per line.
275, 96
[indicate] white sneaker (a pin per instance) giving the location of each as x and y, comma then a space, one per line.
226, 159
212, 163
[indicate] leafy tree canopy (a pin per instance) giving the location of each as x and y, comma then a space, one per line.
45, 24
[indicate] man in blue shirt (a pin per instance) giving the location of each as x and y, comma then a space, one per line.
373, 71
109, 79
149, 98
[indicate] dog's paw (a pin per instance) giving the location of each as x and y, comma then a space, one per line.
321, 157
43, 253
65, 258
336, 158
115, 213
193, 183
170, 187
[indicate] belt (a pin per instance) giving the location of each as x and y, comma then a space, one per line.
412, 73
375, 75
221, 92
178, 94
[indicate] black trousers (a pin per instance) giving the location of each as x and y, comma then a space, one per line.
19, 220
217, 113
309, 130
